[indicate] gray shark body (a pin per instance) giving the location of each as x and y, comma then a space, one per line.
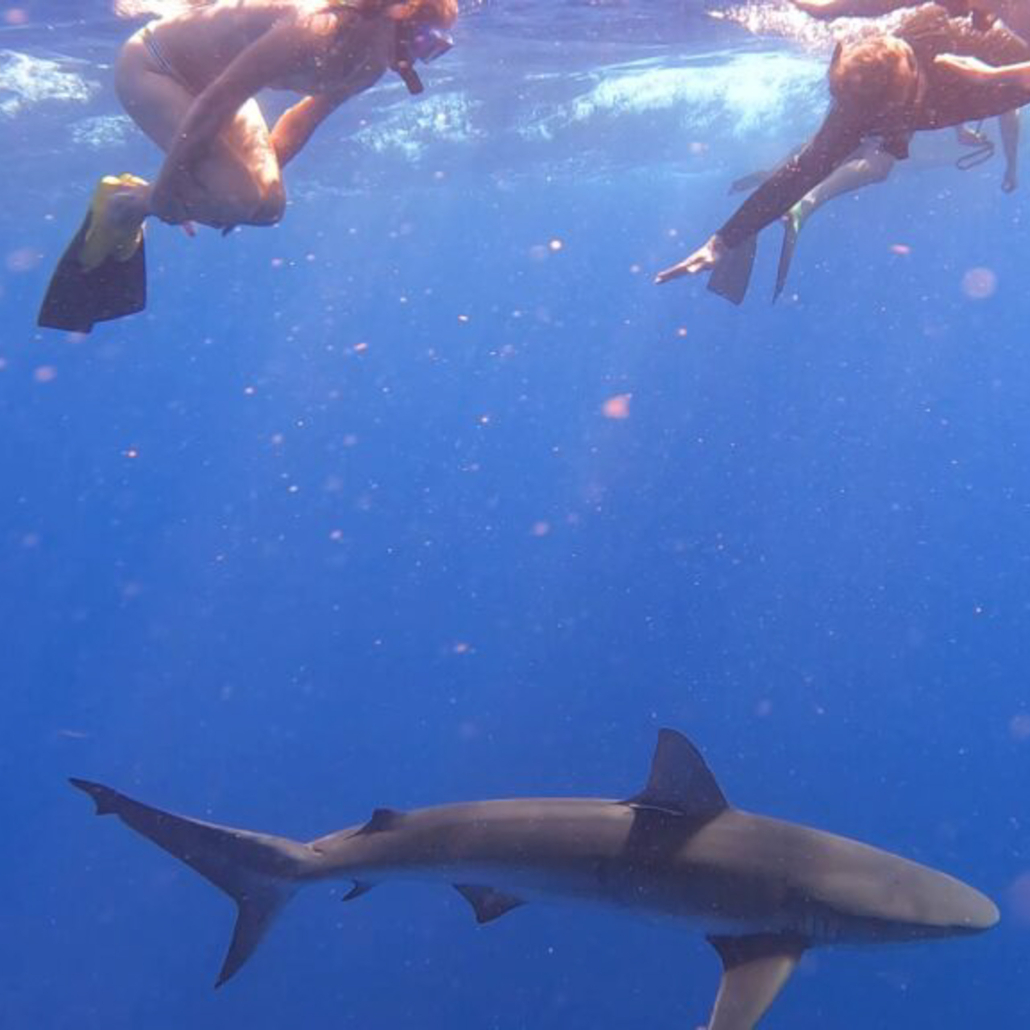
762, 890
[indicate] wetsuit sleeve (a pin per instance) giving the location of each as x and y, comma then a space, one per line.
829, 147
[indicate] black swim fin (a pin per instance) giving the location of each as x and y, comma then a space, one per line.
731, 276
791, 231
77, 298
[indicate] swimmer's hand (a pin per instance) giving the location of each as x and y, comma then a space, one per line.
703, 259
971, 68
823, 9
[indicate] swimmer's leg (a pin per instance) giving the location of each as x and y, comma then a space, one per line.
871, 165
239, 181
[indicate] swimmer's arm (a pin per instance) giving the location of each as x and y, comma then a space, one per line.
825, 10
280, 51
831, 146
296, 124
975, 70
1008, 125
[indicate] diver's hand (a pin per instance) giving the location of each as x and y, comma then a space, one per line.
971, 68
822, 9
703, 259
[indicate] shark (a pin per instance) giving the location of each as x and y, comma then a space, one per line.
762, 890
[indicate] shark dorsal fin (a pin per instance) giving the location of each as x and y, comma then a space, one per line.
680, 783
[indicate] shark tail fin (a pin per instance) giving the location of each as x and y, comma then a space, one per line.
259, 872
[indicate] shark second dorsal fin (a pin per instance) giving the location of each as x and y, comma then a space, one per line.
754, 969
680, 783
382, 819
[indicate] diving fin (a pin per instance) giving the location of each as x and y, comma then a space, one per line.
102, 275
791, 230
731, 276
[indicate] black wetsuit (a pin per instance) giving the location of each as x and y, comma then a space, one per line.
945, 99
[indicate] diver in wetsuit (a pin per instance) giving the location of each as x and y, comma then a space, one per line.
887, 86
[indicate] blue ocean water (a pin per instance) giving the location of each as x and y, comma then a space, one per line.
429, 494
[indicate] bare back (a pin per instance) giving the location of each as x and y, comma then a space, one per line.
330, 56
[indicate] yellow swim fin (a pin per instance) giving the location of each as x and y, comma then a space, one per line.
103, 273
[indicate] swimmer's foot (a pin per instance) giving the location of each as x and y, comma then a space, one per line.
115, 220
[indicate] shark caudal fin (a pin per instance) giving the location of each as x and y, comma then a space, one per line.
259, 872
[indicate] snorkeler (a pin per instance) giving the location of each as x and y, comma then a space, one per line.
1014, 13
883, 87
189, 82
872, 164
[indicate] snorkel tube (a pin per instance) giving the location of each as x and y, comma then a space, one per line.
417, 42
403, 67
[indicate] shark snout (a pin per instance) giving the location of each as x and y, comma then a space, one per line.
979, 913
958, 908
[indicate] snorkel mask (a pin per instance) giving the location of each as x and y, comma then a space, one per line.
418, 42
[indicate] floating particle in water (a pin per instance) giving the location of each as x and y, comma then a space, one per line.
979, 283
617, 407
1019, 899
901, 249
22, 260
1019, 726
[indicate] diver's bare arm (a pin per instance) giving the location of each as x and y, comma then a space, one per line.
974, 69
276, 53
1008, 125
296, 124
835, 141
825, 10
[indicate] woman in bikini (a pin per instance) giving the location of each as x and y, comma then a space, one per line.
189, 82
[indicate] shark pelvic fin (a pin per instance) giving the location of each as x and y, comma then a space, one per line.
680, 783
487, 903
259, 872
754, 970
360, 887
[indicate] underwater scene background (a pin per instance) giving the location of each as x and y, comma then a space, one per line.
429, 494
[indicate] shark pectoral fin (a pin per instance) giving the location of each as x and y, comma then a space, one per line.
754, 970
487, 903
